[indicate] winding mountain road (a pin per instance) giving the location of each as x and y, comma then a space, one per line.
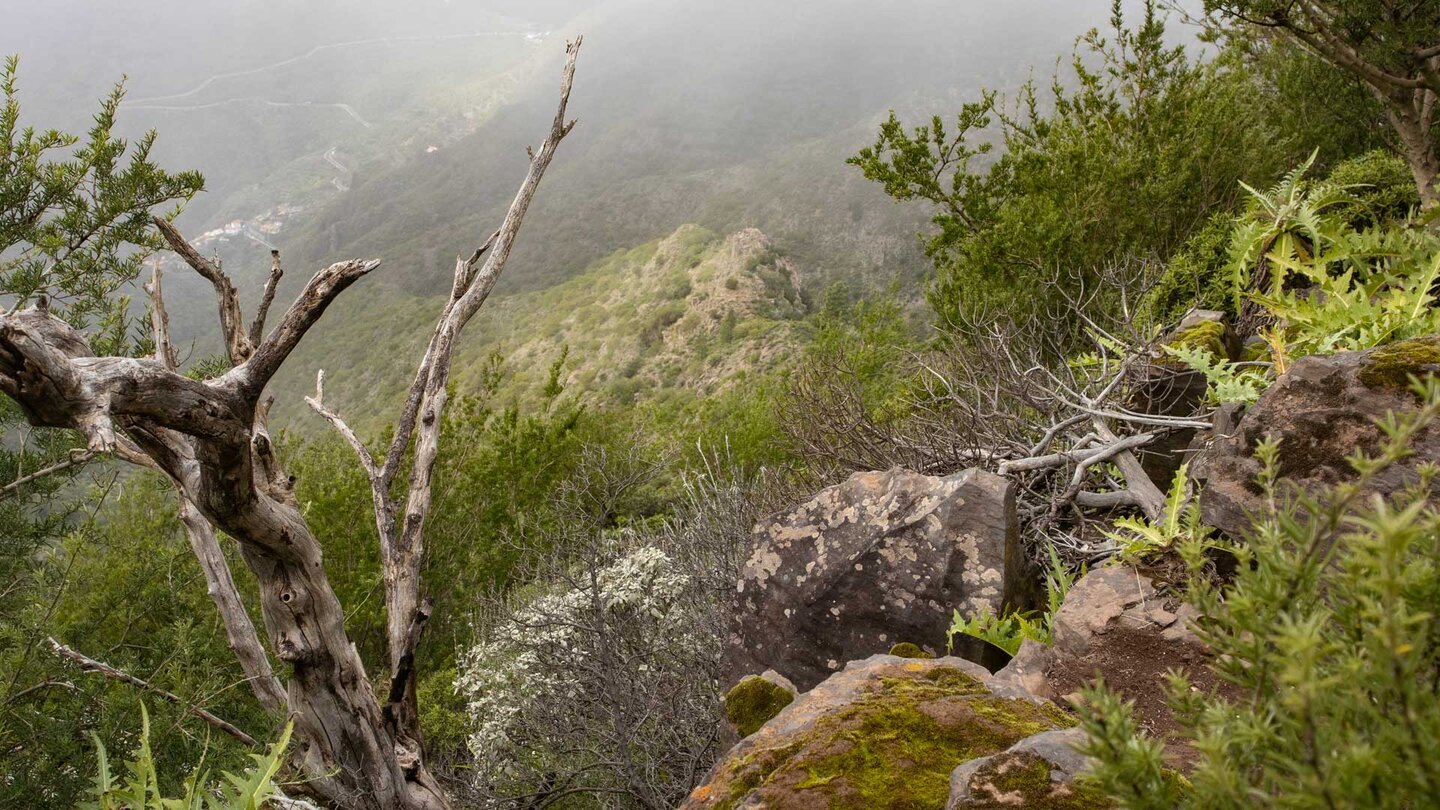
350, 111
320, 49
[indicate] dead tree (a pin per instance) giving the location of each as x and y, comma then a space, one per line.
210, 438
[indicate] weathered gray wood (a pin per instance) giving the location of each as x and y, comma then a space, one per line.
209, 437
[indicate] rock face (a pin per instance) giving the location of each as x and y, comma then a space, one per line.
1037, 773
1107, 604
884, 732
884, 557
1322, 410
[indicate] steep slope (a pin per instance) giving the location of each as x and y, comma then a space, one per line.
693, 312
728, 114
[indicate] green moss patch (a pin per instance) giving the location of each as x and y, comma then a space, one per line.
893, 747
1392, 366
1023, 780
907, 650
752, 702
1206, 335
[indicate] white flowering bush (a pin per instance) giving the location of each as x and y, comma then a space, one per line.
602, 686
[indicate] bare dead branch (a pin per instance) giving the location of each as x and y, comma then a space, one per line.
257, 326
237, 345
77, 458
318, 294
87, 664
239, 630
160, 320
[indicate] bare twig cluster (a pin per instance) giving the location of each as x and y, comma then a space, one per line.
1064, 404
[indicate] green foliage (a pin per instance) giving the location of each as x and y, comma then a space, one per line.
120, 584
1361, 292
1391, 37
1008, 632
1328, 634
1137, 538
1224, 381
1197, 276
499, 469
1281, 225
77, 229
1306, 256
1381, 187
1133, 145
140, 789
1129, 764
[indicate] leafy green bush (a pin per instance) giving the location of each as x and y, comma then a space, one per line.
1117, 164
1383, 188
1303, 258
1196, 276
140, 788
1329, 634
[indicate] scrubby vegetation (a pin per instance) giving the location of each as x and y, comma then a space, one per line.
611, 441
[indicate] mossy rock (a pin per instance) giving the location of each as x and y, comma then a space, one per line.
1023, 779
1209, 336
752, 702
907, 650
1392, 366
884, 733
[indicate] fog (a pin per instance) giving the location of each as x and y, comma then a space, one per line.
331, 128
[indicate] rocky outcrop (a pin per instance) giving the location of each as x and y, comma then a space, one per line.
883, 558
1322, 410
1165, 386
883, 732
1037, 773
1108, 604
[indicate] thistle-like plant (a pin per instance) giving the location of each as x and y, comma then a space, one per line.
139, 789
1136, 537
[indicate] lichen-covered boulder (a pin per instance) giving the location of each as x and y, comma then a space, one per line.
883, 732
1037, 773
883, 558
1322, 410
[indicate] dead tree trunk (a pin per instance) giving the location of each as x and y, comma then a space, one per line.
210, 439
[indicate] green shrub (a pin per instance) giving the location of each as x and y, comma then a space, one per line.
1382, 185
140, 788
1329, 641
1196, 276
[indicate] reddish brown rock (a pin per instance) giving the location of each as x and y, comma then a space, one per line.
1321, 411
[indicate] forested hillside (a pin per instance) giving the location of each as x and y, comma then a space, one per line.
637, 404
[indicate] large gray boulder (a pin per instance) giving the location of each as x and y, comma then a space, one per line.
1322, 410
884, 557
